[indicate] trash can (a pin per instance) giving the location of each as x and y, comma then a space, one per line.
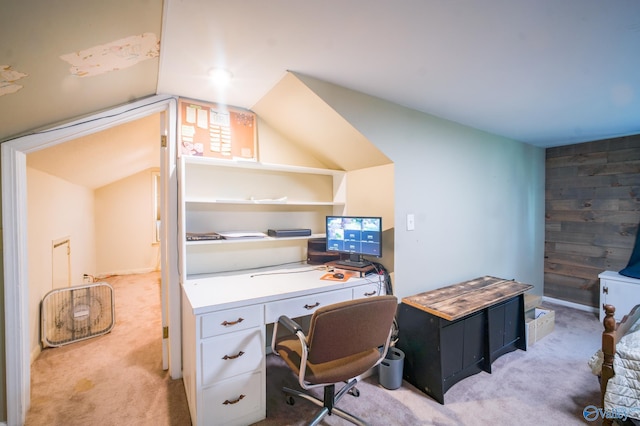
390, 369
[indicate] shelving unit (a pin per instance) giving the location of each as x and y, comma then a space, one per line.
227, 195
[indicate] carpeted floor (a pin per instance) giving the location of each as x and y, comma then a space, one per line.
549, 384
117, 379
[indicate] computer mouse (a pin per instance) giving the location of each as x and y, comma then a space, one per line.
338, 275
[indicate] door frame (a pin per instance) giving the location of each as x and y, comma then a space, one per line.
14, 232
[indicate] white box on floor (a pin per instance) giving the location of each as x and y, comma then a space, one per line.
531, 301
538, 326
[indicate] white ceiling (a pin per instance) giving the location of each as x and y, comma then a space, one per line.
104, 157
545, 72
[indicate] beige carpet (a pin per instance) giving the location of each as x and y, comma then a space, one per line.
549, 384
117, 379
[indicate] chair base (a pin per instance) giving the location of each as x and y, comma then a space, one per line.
328, 405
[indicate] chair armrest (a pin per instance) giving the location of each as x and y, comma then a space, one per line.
297, 330
290, 324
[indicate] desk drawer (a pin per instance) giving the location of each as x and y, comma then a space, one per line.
369, 290
238, 401
232, 354
304, 305
230, 320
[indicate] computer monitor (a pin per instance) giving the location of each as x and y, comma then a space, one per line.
354, 235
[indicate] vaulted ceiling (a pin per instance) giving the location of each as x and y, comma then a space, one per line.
103, 157
544, 72
547, 72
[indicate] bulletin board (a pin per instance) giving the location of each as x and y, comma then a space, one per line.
214, 130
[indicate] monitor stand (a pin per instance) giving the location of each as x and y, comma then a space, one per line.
354, 261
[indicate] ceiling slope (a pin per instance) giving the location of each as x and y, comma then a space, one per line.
302, 117
36, 35
104, 157
544, 72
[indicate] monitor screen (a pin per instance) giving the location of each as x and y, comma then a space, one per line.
356, 235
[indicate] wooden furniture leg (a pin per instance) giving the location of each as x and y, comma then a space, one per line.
608, 350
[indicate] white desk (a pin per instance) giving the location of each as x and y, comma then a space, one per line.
223, 331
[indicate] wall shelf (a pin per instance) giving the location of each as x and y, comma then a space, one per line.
266, 239
231, 195
247, 164
263, 203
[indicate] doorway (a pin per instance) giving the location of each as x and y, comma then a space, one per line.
15, 252
98, 191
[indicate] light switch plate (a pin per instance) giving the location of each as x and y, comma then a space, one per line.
411, 222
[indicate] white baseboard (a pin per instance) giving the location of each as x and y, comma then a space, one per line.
35, 352
102, 275
571, 304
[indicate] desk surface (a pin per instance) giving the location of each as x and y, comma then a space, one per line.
458, 300
240, 288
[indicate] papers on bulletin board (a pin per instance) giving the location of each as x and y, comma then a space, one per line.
219, 131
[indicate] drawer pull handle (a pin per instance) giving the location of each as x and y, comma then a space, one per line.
312, 306
229, 324
227, 357
227, 402
370, 294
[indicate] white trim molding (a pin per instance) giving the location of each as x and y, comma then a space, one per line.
577, 306
14, 225
16, 321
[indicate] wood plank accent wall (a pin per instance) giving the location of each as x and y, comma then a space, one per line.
592, 215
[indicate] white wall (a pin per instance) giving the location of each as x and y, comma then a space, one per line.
478, 199
275, 148
56, 209
370, 192
124, 226
110, 229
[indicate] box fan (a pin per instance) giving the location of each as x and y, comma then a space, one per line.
77, 313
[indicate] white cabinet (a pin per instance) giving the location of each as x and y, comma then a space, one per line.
224, 365
619, 291
226, 195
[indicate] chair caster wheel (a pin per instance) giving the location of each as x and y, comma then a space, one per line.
354, 391
289, 400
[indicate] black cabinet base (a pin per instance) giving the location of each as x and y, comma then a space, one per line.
440, 353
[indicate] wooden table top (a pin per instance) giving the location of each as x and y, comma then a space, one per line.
458, 300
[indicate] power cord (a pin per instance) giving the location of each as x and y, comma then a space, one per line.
381, 270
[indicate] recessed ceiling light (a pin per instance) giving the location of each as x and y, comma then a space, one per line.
220, 76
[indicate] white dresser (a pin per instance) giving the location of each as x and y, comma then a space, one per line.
224, 342
620, 291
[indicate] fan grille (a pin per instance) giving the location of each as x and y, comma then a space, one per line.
77, 313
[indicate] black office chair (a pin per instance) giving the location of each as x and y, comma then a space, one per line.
344, 341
